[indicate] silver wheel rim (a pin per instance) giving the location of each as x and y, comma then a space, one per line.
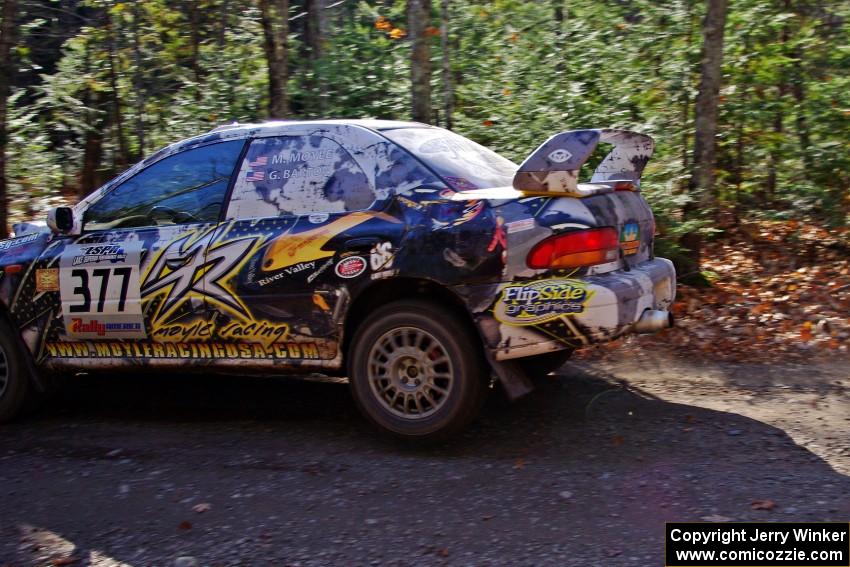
4, 372
410, 373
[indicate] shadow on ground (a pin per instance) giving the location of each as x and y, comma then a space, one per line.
583, 471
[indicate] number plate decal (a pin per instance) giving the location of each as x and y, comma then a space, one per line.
99, 286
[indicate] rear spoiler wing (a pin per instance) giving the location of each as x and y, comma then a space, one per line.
554, 166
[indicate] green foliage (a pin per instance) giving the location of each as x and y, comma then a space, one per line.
147, 73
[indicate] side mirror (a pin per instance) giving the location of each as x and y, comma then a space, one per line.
61, 220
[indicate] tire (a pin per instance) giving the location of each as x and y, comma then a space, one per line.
394, 378
538, 367
15, 383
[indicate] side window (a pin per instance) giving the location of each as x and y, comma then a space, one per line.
184, 188
298, 175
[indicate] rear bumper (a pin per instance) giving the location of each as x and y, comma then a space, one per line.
596, 309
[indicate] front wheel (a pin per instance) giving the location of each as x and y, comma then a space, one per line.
15, 383
416, 370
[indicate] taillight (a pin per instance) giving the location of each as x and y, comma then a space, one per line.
575, 249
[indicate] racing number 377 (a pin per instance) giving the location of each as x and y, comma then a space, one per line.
99, 288
84, 291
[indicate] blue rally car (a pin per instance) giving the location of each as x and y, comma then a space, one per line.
418, 263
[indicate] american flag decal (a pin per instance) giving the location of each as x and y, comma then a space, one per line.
255, 176
259, 161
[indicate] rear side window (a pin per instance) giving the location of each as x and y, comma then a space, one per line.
460, 161
297, 175
184, 188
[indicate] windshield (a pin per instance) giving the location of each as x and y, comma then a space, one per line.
461, 162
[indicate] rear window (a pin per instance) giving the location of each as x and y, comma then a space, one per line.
461, 162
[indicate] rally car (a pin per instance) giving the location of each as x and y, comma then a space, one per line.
416, 262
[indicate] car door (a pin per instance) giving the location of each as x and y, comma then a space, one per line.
140, 275
318, 214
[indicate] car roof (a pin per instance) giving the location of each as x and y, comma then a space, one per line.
281, 125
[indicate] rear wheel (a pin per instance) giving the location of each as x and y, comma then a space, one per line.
416, 370
15, 384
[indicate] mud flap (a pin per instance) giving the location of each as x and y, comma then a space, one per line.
513, 378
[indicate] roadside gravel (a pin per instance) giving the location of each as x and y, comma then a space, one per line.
208, 470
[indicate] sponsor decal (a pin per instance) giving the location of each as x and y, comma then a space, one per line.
351, 267
318, 218
291, 270
100, 253
289, 249
47, 280
261, 331
559, 156
184, 351
381, 256
79, 327
533, 303
320, 271
183, 271
184, 332
629, 238
20, 241
520, 225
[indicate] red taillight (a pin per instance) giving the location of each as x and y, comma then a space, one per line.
576, 249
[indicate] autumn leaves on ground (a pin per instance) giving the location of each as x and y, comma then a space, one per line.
780, 291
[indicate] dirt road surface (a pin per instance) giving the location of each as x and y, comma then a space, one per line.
181, 470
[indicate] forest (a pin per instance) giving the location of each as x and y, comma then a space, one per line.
749, 102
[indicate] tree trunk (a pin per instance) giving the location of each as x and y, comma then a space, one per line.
138, 81
92, 152
274, 19
313, 44
448, 91
559, 15
778, 114
123, 157
7, 72
684, 94
701, 186
195, 53
418, 18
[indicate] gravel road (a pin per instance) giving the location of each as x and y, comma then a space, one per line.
207, 470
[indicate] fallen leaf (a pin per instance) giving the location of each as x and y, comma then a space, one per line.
618, 440
184, 525
65, 561
716, 518
443, 552
763, 505
519, 463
